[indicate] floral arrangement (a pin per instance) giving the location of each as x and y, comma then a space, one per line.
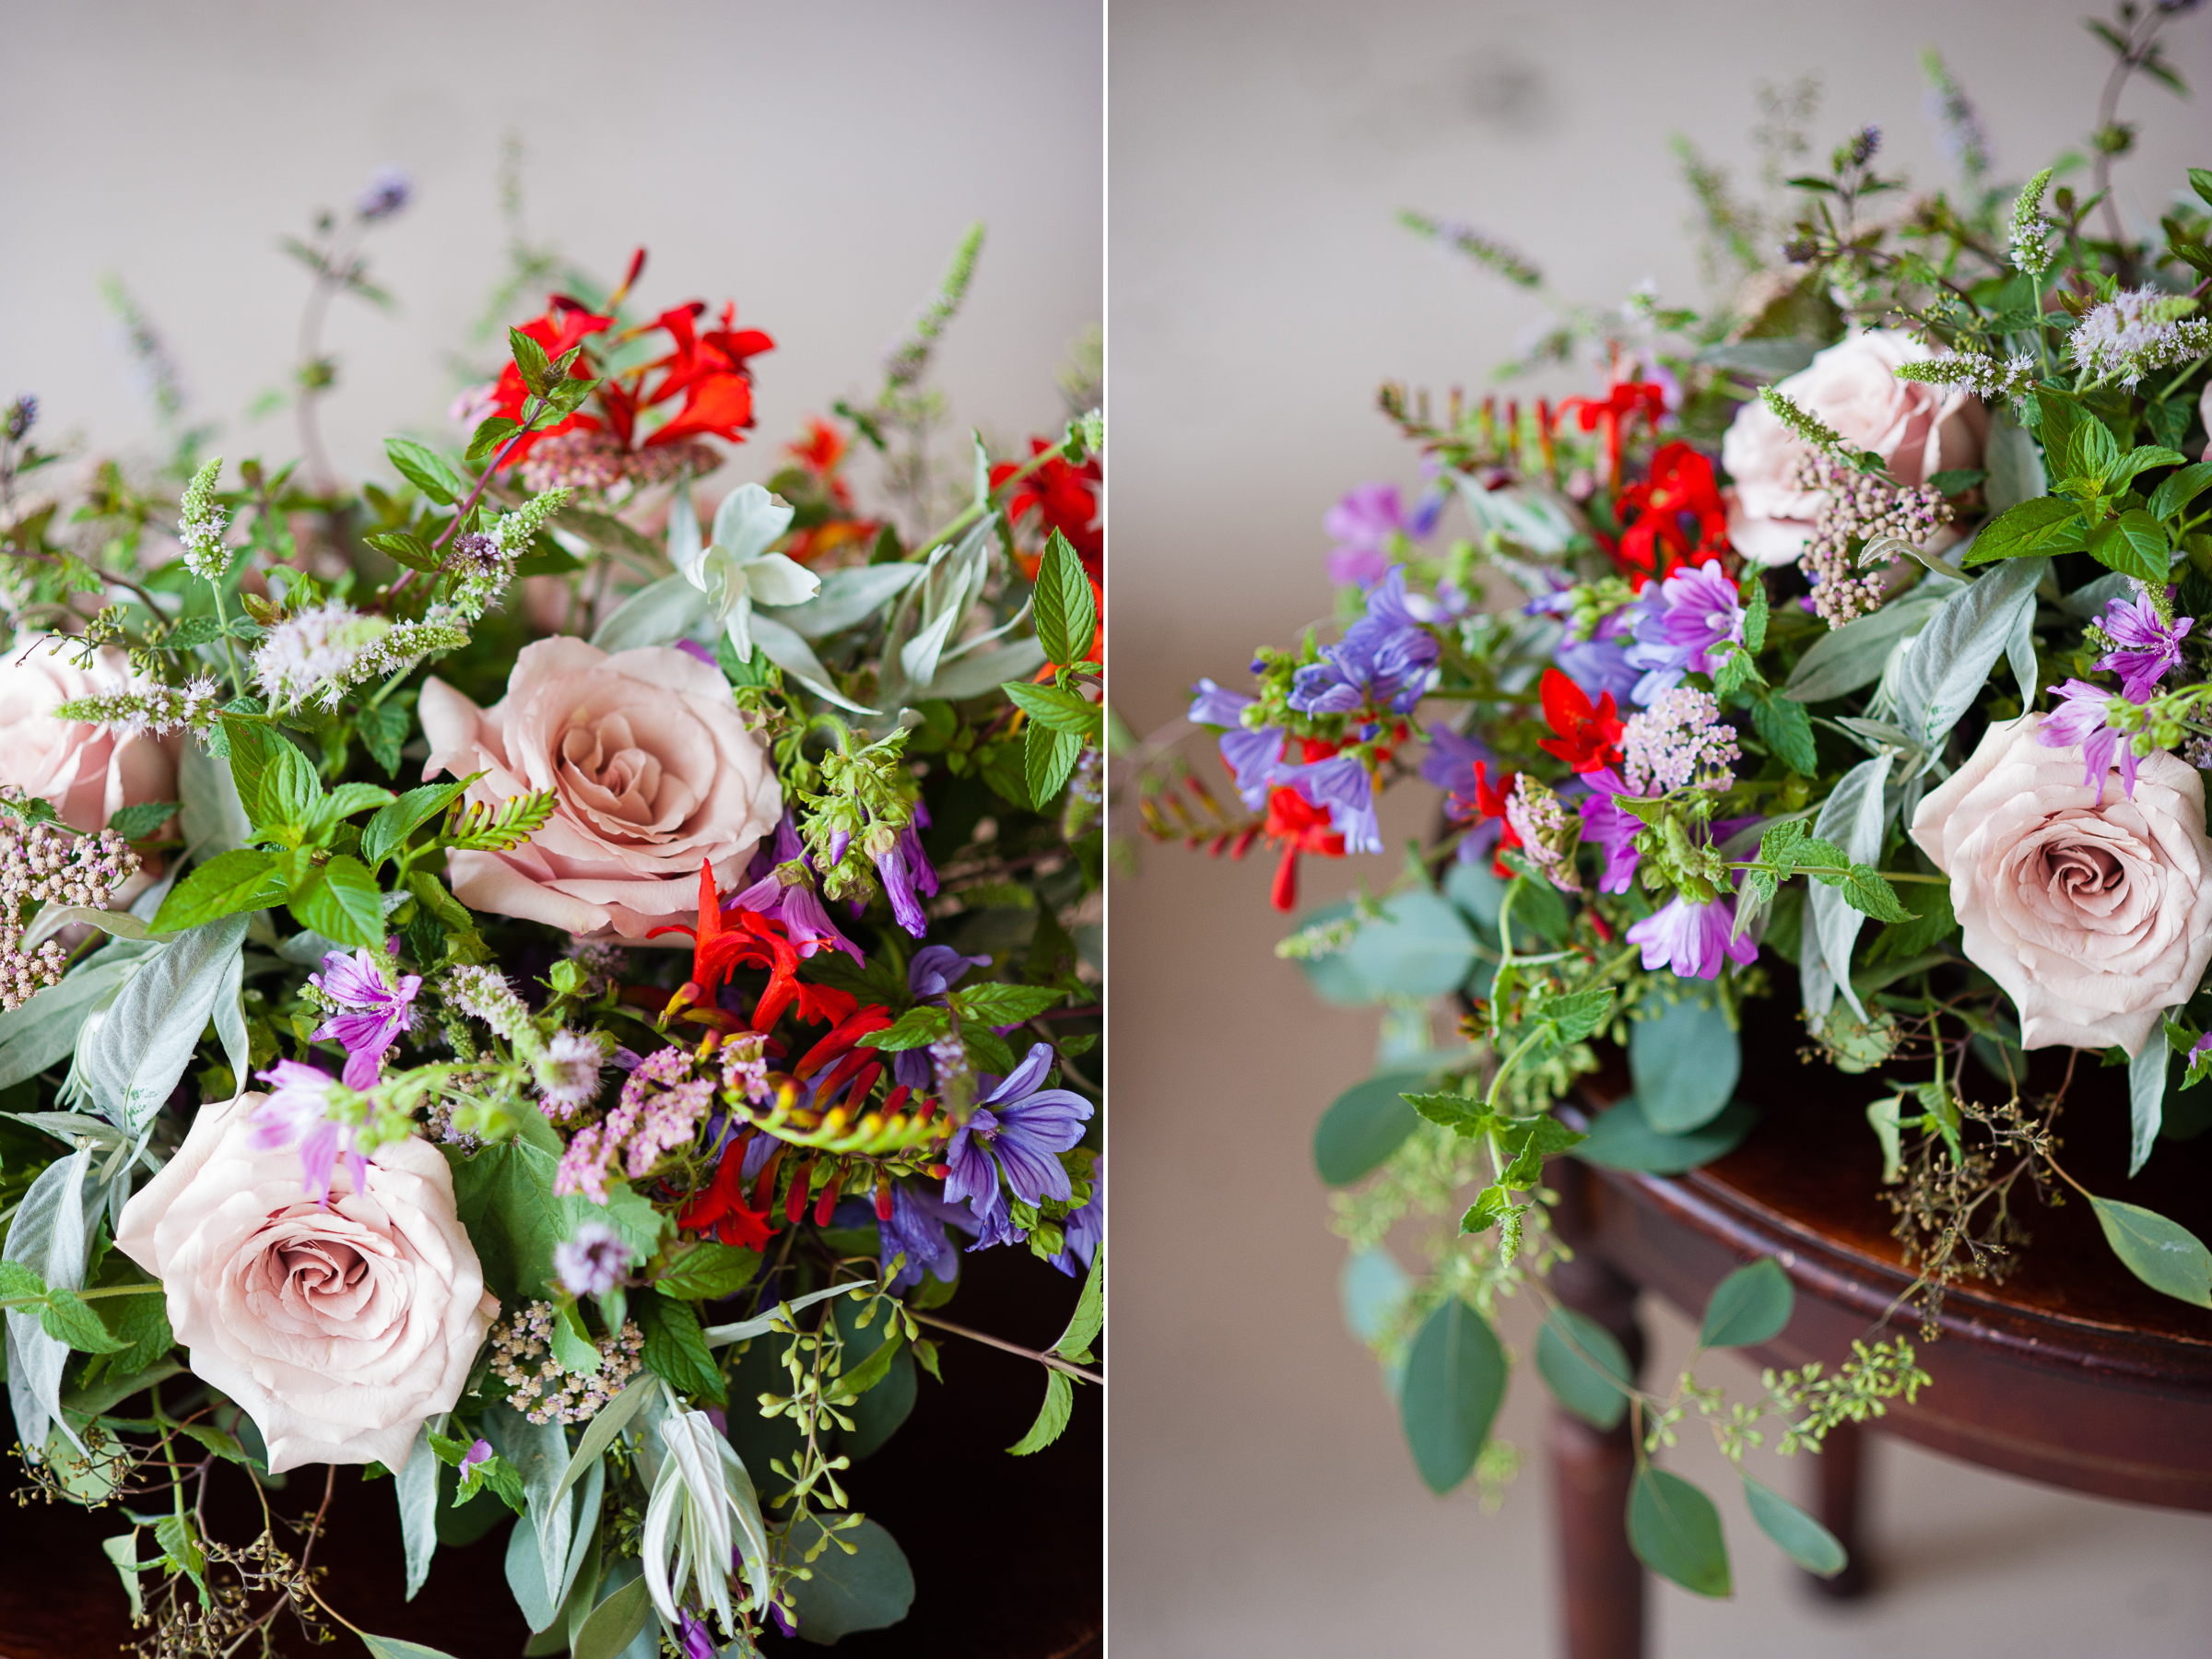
1842, 644
528, 985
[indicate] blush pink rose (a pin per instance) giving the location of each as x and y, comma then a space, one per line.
340, 1331
88, 772
654, 767
2092, 908
1918, 430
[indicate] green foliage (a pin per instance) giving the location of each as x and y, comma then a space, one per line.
1066, 614
1454, 1379
675, 1349
1584, 1367
2164, 1254
1623, 1137
1798, 1536
1364, 1125
1676, 1532
1685, 1061
1750, 1306
708, 1271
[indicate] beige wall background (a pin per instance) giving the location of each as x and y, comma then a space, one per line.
1262, 1503
819, 164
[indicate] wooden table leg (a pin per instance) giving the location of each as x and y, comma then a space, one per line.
1601, 1581
1840, 1469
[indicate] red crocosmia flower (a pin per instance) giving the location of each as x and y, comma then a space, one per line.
1297, 826
1678, 497
1488, 803
720, 1207
1588, 737
725, 942
822, 453
1626, 399
1065, 497
842, 1036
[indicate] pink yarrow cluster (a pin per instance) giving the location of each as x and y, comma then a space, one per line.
1860, 508
50, 863
661, 1108
1679, 741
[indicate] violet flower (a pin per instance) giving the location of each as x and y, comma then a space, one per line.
1253, 754
1085, 1227
1692, 939
296, 1114
1678, 625
786, 894
915, 1228
1365, 525
933, 970
369, 1015
781, 846
2081, 719
1017, 1130
2144, 648
695, 1638
1386, 657
1341, 784
594, 1262
1450, 762
478, 1453
1612, 828
907, 873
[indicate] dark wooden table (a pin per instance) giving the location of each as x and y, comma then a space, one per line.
2073, 1372
1007, 1552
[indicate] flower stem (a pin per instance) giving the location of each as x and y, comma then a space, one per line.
1012, 1348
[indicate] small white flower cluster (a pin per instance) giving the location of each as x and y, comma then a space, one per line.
2137, 331
50, 863
152, 709
540, 1388
1987, 378
323, 650
1677, 742
201, 524
2030, 239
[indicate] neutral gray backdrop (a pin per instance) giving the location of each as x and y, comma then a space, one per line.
818, 164
1262, 1501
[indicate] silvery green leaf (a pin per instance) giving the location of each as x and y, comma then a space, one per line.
982, 471
539, 1452
52, 918
416, 1484
746, 1329
847, 597
2091, 597
1853, 818
752, 1533
1761, 360
2020, 653
127, 1065
1528, 518
50, 1235
684, 543
1947, 666
737, 622
42, 1032
71, 1127
540, 1596
796, 658
973, 675
2147, 1095
1854, 654
953, 582
2014, 464
609, 1421
307, 948
750, 520
214, 819
660, 613
772, 579
1874, 735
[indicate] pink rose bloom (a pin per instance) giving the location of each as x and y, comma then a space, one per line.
2092, 908
340, 1331
88, 772
1851, 387
654, 767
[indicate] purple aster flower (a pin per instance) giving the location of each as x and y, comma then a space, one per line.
1692, 939
1086, 1228
2144, 647
594, 1262
1016, 1130
915, 1228
1365, 522
907, 876
1385, 657
1341, 784
296, 1114
1612, 826
370, 1015
2081, 718
1677, 624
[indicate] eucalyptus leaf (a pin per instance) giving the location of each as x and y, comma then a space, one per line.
1364, 1125
1800, 1538
1676, 1532
869, 1590
2164, 1254
2147, 1095
1372, 1288
1750, 1306
1623, 1138
1584, 1366
1684, 1062
392, 1647
1422, 946
1454, 1379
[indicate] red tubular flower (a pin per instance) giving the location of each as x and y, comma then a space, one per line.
720, 1206
1588, 737
1626, 398
1297, 826
1065, 497
1679, 495
721, 944
842, 1036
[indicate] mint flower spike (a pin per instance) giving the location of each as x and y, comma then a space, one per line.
201, 524
2030, 239
1802, 424
735, 570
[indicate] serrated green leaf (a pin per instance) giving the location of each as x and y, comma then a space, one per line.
1750, 1306
491, 431
2044, 524
1527, 1143
1462, 1113
2133, 544
341, 900
1784, 727
135, 823
404, 548
1052, 1418
1066, 614
2176, 490
1577, 1016
995, 1003
917, 1028
245, 878
426, 469
1060, 710
1866, 889
383, 834
529, 360
347, 799
674, 1351
1048, 760
1676, 1532
707, 1270
67, 1317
